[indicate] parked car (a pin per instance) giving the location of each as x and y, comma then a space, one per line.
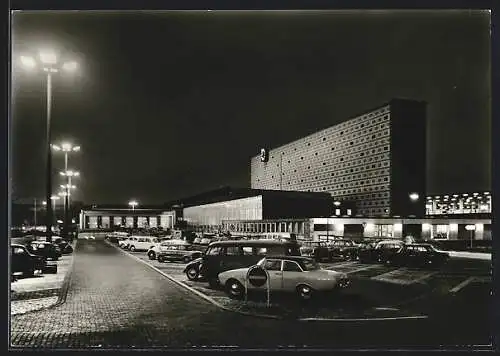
25, 262
315, 249
45, 249
65, 247
379, 252
181, 251
141, 243
154, 249
123, 242
301, 275
226, 255
343, 248
419, 255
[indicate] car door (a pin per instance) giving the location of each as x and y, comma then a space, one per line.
422, 256
20, 259
292, 275
410, 255
232, 258
274, 268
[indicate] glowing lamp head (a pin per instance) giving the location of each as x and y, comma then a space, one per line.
414, 196
76, 148
66, 147
70, 66
133, 203
28, 62
48, 57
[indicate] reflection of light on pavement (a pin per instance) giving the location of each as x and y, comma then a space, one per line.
404, 276
462, 284
363, 269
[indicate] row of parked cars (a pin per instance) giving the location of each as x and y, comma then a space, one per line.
37, 255
291, 266
385, 251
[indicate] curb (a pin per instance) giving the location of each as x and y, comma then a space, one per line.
67, 278
62, 292
267, 316
199, 294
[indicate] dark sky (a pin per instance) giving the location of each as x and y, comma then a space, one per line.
170, 104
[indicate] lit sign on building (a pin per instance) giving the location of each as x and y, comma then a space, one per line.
264, 155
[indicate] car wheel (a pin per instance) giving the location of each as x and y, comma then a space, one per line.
132, 248
152, 255
192, 273
186, 259
304, 292
234, 289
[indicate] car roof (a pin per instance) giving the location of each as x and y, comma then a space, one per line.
390, 241
251, 243
16, 245
290, 258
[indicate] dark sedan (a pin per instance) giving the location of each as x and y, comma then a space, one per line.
45, 249
419, 255
22, 261
344, 249
379, 252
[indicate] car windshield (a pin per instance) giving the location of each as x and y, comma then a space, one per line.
309, 265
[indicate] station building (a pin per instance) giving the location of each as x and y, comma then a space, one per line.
109, 217
375, 160
363, 177
208, 211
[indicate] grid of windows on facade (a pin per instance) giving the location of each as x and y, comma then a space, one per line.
212, 214
271, 228
351, 161
464, 203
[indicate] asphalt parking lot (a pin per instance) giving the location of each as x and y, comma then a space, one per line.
377, 291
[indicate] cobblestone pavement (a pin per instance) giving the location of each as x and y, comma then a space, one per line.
115, 301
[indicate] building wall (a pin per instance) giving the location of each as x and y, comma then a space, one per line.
459, 203
213, 214
351, 161
101, 219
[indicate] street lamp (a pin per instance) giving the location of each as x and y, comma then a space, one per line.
133, 204
471, 228
69, 174
48, 63
414, 196
67, 148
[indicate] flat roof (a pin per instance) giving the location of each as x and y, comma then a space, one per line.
251, 242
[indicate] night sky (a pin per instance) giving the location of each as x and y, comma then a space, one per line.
171, 104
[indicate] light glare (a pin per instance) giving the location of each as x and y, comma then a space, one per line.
28, 62
48, 57
70, 66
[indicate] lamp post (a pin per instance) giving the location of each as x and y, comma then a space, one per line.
471, 228
49, 64
66, 148
69, 174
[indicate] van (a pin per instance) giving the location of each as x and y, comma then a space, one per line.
226, 255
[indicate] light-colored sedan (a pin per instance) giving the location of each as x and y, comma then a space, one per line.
301, 275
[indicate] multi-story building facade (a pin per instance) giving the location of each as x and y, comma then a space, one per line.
459, 204
376, 160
